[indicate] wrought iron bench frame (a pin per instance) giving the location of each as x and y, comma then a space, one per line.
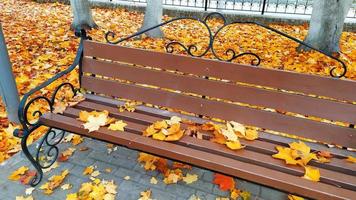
52, 138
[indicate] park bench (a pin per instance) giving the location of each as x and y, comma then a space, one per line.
176, 78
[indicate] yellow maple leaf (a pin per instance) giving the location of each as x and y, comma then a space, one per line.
117, 126
175, 137
234, 194
54, 182
72, 196
153, 180
245, 195
148, 160
159, 136
77, 139
149, 131
294, 197
284, 153
88, 170
190, 178
16, 175
351, 159
234, 145
311, 173
95, 122
145, 195
251, 134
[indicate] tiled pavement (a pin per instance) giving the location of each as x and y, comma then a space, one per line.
123, 163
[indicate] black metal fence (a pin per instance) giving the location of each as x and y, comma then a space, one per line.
302, 7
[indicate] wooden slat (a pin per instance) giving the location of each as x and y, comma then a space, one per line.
267, 148
254, 96
210, 161
309, 84
246, 155
270, 138
273, 121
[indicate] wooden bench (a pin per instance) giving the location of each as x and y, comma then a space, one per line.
102, 65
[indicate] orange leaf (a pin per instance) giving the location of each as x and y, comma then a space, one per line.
225, 182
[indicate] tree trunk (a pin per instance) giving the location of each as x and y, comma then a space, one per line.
83, 18
153, 16
326, 25
8, 90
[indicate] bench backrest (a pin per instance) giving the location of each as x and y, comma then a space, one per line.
181, 82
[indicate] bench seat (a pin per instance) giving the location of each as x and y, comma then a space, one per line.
254, 163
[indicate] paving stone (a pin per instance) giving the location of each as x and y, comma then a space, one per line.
146, 180
253, 188
101, 166
180, 190
122, 172
130, 190
205, 196
202, 185
272, 194
123, 163
208, 176
218, 192
82, 161
162, 195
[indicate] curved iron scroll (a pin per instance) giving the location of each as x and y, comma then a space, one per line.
192, 49
47, 146
25, 103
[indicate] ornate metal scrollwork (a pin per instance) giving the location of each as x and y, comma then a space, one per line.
47, 145
192, 49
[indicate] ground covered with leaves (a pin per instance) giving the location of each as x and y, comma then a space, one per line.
41, 44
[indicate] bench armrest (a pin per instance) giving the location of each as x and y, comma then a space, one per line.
25, 103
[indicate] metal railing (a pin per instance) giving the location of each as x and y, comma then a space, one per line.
301, 7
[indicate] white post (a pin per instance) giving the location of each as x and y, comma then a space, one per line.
8, 88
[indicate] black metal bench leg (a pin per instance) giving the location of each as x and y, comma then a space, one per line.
47, 147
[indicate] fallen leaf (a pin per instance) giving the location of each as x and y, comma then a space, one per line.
66, 186
24, 198
16, 175
153, 180
127, 178
312, 174
54, 182
117, 126
29, 191
351, 159
190, 178
234, 145
294, 197
88, 170
94, 123
145, 195
225, 182
95, 173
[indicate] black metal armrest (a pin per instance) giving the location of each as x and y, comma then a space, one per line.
25, 103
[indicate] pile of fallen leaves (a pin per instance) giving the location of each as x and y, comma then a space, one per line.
167, 130
230, 133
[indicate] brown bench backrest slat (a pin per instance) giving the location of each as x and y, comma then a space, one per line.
308, 84
269, 120
250, 95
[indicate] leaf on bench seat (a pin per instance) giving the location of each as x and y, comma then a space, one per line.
351, 159
117, 126
165, 130
312, 173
